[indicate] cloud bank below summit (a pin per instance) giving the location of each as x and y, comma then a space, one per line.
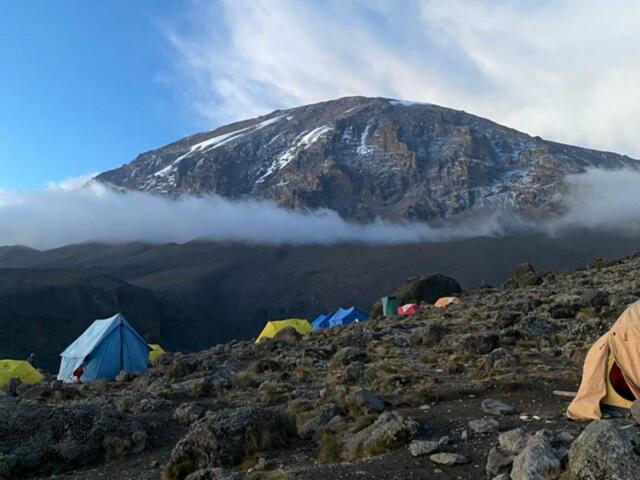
75, 212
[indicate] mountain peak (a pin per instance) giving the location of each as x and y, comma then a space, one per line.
367, 158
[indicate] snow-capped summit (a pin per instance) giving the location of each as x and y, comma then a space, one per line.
367, 158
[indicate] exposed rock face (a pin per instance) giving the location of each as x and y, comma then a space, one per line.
368, 158
606, 450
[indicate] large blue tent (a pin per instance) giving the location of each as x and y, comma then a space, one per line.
346, 316
103, 350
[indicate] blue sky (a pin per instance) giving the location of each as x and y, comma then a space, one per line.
87, 85
84, 86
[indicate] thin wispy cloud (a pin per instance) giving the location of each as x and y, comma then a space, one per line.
565, 70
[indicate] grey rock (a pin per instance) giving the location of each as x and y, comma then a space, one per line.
389, 432
321, 418
499, 461
348, 355
187, 413
484, 425
363, 402
479, 343
513, 440
606, 450
537, 461
226, 437
419, 448
445, 458
496, 407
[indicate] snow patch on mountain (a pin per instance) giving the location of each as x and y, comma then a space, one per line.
301, 143
216, 142
364, 149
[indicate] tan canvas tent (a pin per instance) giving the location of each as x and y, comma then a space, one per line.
611, 372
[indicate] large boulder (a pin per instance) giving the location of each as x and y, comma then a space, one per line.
606, 450
389, 432
423, 288
227, 437
42, 439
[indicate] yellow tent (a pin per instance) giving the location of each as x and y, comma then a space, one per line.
156, 352
19, 369
272, 328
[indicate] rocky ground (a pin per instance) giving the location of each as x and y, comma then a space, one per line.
456, 393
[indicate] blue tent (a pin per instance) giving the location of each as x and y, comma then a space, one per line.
103, 350
321, 321
346, 316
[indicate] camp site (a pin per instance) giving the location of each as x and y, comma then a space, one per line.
319, 240
425, 337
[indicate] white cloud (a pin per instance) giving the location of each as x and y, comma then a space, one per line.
565, 70
71, 184
601, 200
598, 200
92, 212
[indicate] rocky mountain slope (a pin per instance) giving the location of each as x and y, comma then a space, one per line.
368, 158
201, 293
462, 392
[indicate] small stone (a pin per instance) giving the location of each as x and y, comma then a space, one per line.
465, 435
496, 407
484, 425
502, 476
448, 458
444, 441
419, 448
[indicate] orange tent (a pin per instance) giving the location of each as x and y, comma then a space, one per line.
611, 372
446, 301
